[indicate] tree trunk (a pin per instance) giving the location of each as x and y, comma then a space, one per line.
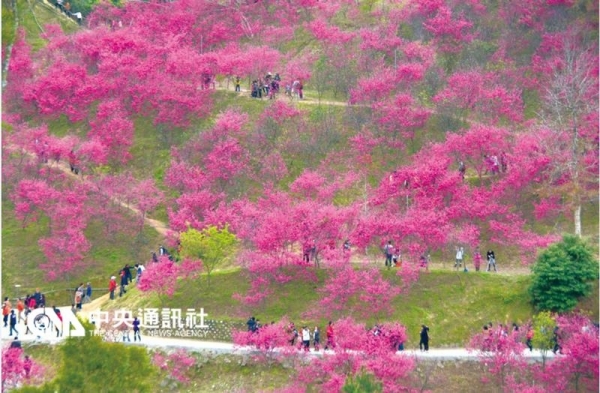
578, 220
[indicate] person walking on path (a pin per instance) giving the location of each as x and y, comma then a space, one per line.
317, 338
424, 343
20, 308
555, 340
529, 338
125, 329
32, 303
13, 323
136, 329
491, 259
88, 293
124, 283
139, 270
112, 286
306, 339
6, 310
79, 293
329, 334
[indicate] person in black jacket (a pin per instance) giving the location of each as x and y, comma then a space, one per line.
124, 282
424, 343
128, 276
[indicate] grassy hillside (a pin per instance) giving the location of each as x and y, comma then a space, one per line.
21, 256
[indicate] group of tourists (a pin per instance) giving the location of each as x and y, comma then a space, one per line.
162, 252
267, 86
125, 278
493, 164
82, 295
23, 307
460, 255
302, 338
393, 257
494, 337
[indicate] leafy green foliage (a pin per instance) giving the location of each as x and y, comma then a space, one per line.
211, 245
363, 382
89, 364
562, 275
543, 329
8, 24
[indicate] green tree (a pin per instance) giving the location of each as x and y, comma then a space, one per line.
361, 383
212, 246
543, 331
92, 365
562, 275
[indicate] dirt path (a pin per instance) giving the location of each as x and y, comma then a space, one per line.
159, 226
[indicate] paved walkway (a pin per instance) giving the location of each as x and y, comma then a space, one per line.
224, 347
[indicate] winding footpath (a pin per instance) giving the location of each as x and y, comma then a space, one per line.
215, 347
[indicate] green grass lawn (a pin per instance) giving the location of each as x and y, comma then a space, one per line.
44, 15
21, 257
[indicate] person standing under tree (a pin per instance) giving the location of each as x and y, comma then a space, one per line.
477, 259
462, 169
424, 343
491, 259
329, 335
388, 250
317, 338
306, 339
459, 257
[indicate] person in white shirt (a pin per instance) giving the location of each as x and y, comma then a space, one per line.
306, 338
459, 257
139, 268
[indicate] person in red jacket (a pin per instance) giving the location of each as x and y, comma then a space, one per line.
329, 334
112, 286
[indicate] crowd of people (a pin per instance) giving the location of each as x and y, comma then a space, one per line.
263, 87
125, 276
303, 338
125, 279
269, 86
494, 337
